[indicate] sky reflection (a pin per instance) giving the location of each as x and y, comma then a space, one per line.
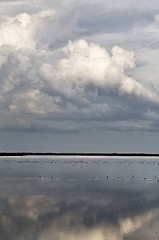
75, 209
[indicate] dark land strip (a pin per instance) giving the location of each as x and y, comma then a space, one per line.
78, 154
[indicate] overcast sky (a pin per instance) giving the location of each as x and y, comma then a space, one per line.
79, 75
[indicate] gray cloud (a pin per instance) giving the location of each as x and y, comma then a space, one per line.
52, 78
113, 20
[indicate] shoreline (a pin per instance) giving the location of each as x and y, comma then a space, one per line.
78, 154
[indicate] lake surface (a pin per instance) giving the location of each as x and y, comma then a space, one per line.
75, 198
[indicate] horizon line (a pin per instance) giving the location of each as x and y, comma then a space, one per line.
79, 154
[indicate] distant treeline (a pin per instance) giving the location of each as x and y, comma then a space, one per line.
78, 154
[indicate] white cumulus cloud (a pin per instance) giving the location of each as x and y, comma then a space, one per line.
22, 31
88, 63
79, 79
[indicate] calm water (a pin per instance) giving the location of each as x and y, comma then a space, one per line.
75, 198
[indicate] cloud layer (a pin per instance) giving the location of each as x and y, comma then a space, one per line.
53, 77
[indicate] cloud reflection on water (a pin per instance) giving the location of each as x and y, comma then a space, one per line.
61, 210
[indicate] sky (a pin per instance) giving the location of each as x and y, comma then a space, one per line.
79, 76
